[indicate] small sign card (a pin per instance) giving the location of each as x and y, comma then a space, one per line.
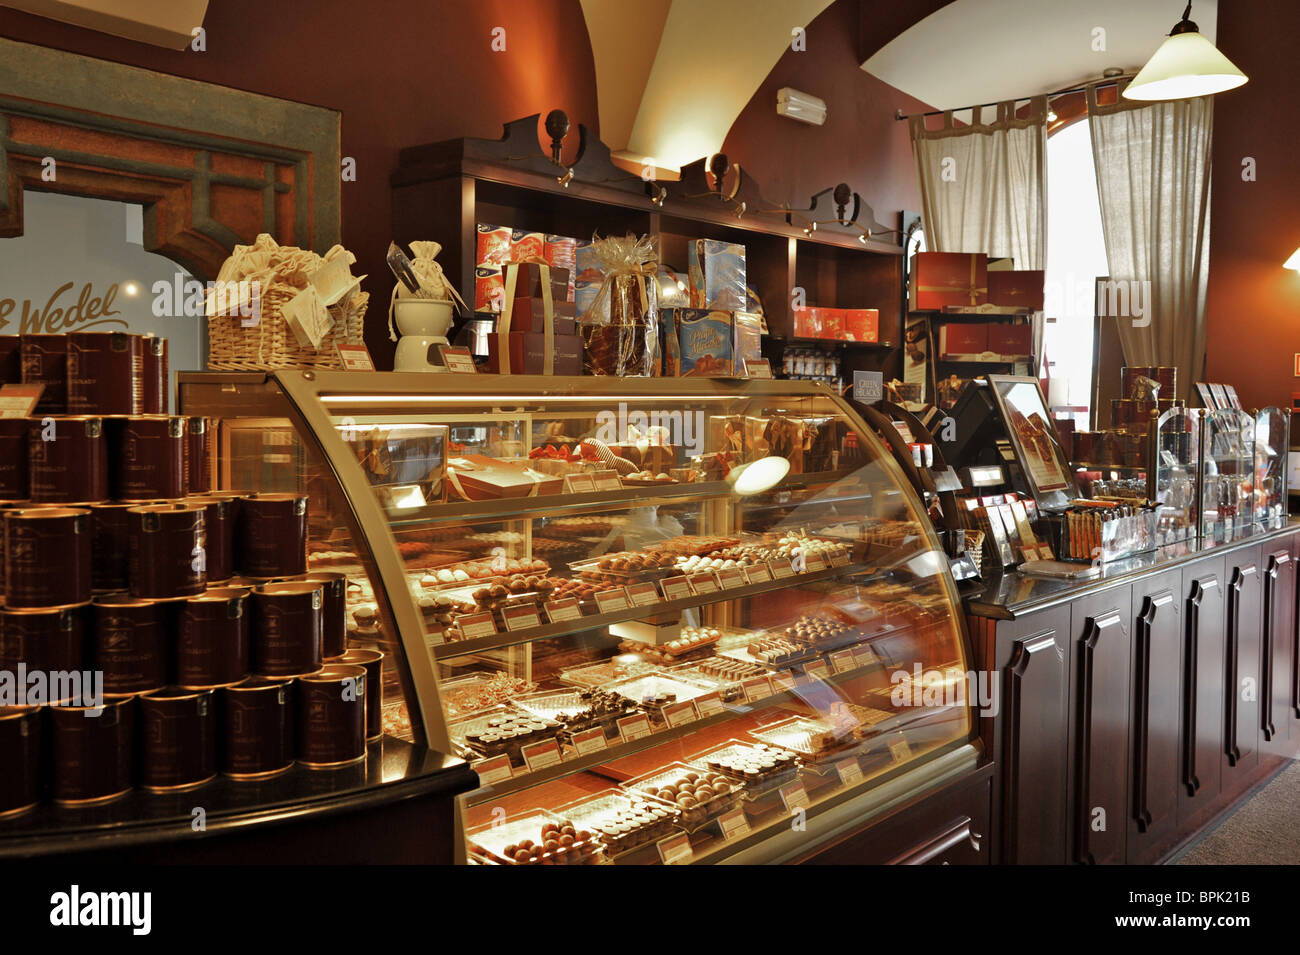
705, 583
579, 484
644, 594
679, 714
708, 704
634, 727
589, 741
817, 669
354, 357
732, 577
850, 771
863, 656
493, 770
814, 563
524, 617
839, 558
758, 368
566, 608
675, 849
734, 824
457, 359
17, 401
475, 625
758, 573
843, 660
794, 795
781, 569
899, 748
541, 755
606, 481
757, 688
675, 588
612, 601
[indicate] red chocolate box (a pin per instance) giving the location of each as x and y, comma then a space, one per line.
1021, 288
940, 279
1011, 341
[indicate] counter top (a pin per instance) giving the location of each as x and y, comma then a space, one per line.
1013, 594
393, 771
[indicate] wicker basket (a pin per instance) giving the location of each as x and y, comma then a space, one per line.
271, 343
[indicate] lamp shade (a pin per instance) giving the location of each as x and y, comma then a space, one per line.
1293, 262
1186, 65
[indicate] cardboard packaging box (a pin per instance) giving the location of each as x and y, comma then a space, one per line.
529, 315
717, 275
587, 280
706, 342
492, 244
862, 325
669, 345
529, 278
831, 323
1022, 288
807, 323
961, 338
474, 477
1011, 341
939, 279
749, 339
527, 354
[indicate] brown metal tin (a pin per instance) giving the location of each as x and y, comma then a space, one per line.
110, 545
271, 535
166, 543
47, 557
287, 628
149, 458
177, 738
105, 373
212, 646
20, 755
11, 365
332, 717
372, 661
201, 440
67, 459
13, 458
130, 643
257, 727
50, 640
219, 528
335, 609
44, 361
92, 754
156, 391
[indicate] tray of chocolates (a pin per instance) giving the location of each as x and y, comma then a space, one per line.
758, 767
693, 643
729, 688
654, 691
810, 738
579, 709
626, 565
535, 837
623, 821
620, 667
502, 730
475, 692
700, 795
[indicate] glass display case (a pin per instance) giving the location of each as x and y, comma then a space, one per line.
1227, 474
1272, 439
1174, 475
660, 616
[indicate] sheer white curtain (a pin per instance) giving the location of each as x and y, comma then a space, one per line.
984, 186
1153, 181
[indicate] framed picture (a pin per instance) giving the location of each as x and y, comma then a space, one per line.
1033, 437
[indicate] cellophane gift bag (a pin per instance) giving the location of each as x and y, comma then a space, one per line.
620, 330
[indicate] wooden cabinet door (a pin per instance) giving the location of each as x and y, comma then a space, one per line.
1098, 786
1155, 720
1276, 652
1293, 679
1242, 671
1033, 744
1201, 736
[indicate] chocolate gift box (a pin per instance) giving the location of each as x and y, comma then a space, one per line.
862, 324
749, 339
1022, 288
527, 354
529, 315
705, 341
958, 338
475, 477
533, 336
717, 275
942, 279
1011, 341
531, 276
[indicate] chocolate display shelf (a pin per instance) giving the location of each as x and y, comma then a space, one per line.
460, 648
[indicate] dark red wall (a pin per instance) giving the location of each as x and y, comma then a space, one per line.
1254, 304
431, 76
861, 143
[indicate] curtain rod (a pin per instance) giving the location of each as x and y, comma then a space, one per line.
1103, 82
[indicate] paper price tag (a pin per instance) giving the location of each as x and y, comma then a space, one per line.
521, 618
757, 688
814, 563
734, 824
606, 481
675, 849
794, 795
849, 770
708, 704
589, 741
731, 577
679, 714
758, 368
493, 770
612, 601
457, 359
475, 625
675, 588
634, 727
541, 755
705, 583
899, 748
758, 573
579, 484
781, 569
843, 660
566, 608
863, 656
644, 594
783, 682
354, 357
839, 558
817, 669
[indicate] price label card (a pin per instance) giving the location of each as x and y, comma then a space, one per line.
758, 573
757, 688
634, 727
493, 770
457, 359
794, 795
843, 660
783, 682
579, 484
814, 563
17, 401
675, 588
522, 618
566, 608
708, 704
675, 849
606, 481
612, 601
705, 583
644, 594
863, 656
354, 357
731, 577
758, 368
589, 741
679, 714
540, 755
476, 625
817, 669
899, 749
850, 771
781, 569
734, 824
839, 558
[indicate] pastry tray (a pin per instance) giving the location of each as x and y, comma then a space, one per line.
691, 818
592, 675
736, 747
487, 843
592, 812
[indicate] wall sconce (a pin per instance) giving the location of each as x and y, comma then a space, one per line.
557, 127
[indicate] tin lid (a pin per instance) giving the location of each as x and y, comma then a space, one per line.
123, 600
168, 507
334, 673
222, 495
176, 693
274, 496
14, 712
219, 594
288, 587
258, 683
355, 657
44, 513
323, 575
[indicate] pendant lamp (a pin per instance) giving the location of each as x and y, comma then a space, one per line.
1186, 65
